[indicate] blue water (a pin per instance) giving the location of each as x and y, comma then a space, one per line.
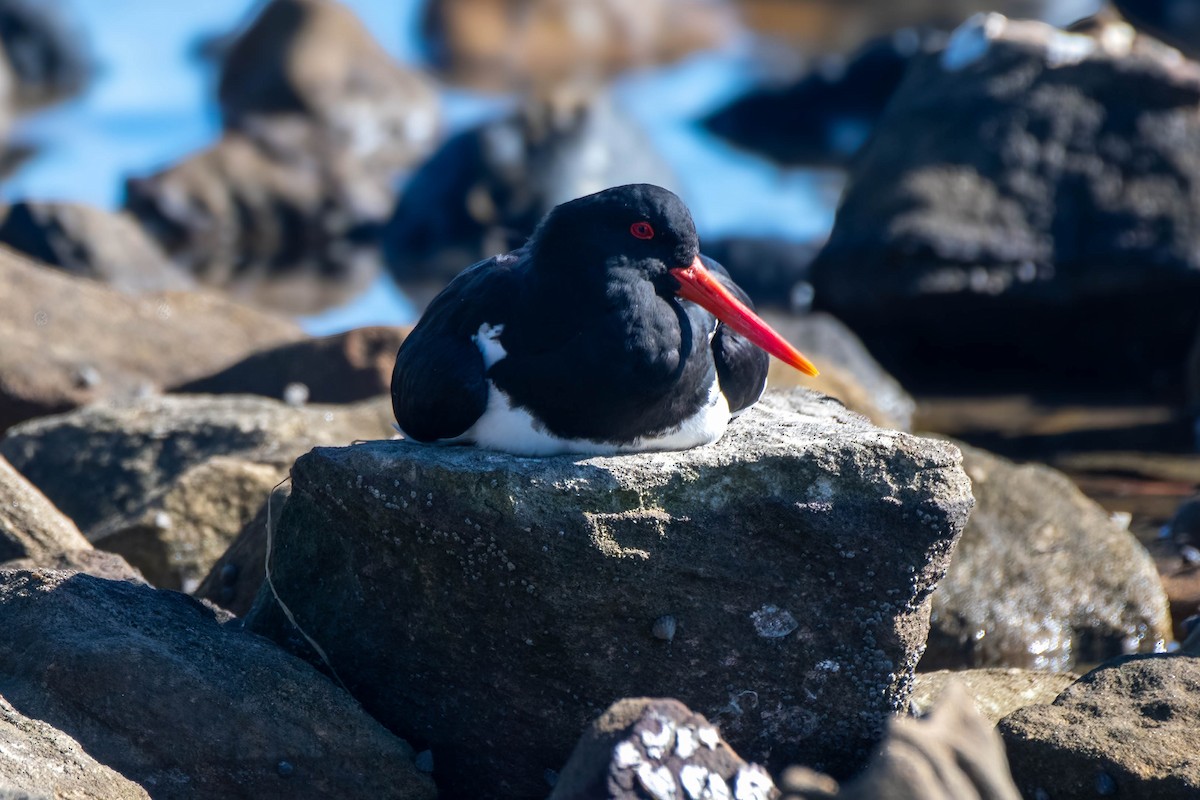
153, 102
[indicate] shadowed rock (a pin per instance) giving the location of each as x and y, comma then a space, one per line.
658, 747
153, 687
500, 602
235, 578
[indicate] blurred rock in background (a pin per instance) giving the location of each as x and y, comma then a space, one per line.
46, 58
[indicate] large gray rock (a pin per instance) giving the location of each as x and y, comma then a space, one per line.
500, 603
1042, 578
151, 685
38, 760
92, 243
168, 482
658, 747
70, 341
1026, 188
1126, 729
30, 525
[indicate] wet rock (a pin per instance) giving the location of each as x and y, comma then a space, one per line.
69, 341
153, 687
826, 117
658, 747
278, 228
506, 44
47, 58
774, 272
1042, 578
30, 525
848, 372
484, 191
347, 367
98, 563
236, 577
39, 761
952, 754
1127, 729
1026, 188
91, 243
313, 63
110, 461
997, 692
491, 592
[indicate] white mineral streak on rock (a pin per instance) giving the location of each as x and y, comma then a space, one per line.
685, 742
694, 779
658, 782
627, 755
658, 744
751, 783
709, 737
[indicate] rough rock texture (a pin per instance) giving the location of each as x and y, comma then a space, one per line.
1042, 578
484, 191
69, 341
848, 372
91, 243
500, 602
235, 578
504, 44
98, 563
997, 692
108, 461
30, 525
1027, 201
39, 761
152, 686
275, 228
661, 748
313, 63
1126, 729
177, 536
953, 754
350, 366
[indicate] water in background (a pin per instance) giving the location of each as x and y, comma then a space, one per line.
153, 102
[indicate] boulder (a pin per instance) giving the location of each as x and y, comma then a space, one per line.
314, 63
486, 189
30, 525
236, 577
1026, 206
92, 243
1042, 578
507, 44
953, 754
658, 747
344, 368
279, 228
39, 761
776, 581
997, 692
69, 341
152, 686
98, 563
111, 467
848, 372
44, 52
1126, 729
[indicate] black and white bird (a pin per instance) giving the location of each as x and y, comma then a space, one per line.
606, 333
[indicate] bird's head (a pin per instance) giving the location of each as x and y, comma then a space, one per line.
646, 231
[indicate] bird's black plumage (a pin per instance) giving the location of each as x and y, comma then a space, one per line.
597, 346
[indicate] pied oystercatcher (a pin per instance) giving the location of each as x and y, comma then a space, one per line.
606, 333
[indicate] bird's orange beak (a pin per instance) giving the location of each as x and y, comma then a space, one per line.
698, 285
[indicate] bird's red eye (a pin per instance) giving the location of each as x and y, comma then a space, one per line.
642, 230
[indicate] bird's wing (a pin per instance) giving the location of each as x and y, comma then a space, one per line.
741, 366
439, 385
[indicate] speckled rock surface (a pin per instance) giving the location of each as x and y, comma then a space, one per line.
661, 748
37, 760
953, 754
30, 525
1126, 729
99, 563
997, 692
109, 461
150, 685
70, 341
500, 603
1042, 578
